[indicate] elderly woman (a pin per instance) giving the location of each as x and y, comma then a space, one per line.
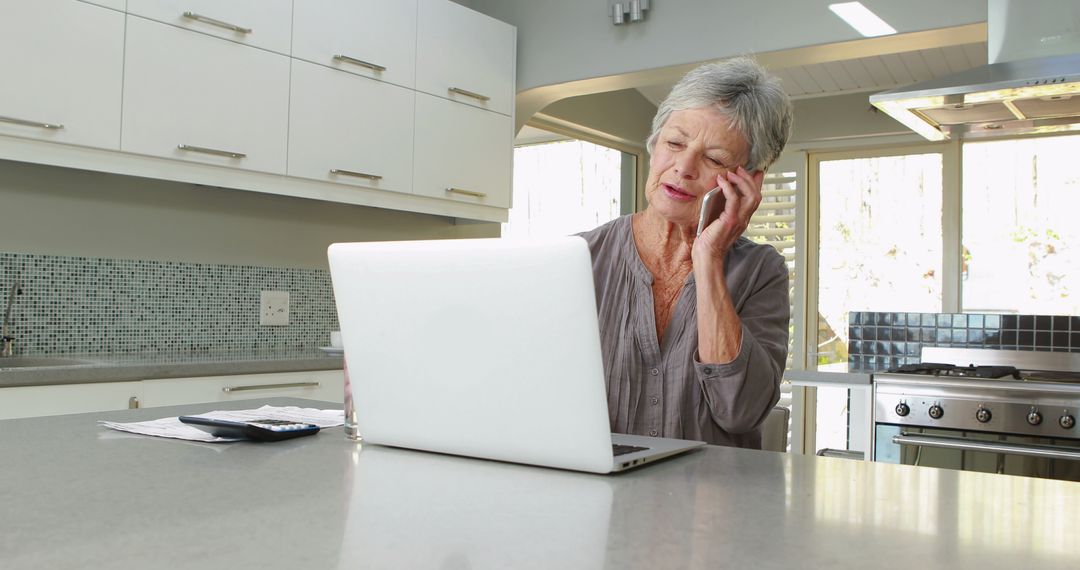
695, 328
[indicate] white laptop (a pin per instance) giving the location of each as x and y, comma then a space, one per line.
484, 348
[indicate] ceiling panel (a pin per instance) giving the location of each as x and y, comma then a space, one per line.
956, 58
897, 69
841, 78
858, 73
916, 65
935, 60
873, 73
806, 80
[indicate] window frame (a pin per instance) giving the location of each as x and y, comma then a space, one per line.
574, 131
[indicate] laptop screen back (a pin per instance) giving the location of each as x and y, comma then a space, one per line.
484, 348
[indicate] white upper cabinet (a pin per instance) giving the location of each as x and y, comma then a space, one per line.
114, 4
373, 38
465, 56
261, 23
462, 153
194, 97
62, 67
350, 129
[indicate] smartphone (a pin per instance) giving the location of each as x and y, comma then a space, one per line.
711, 206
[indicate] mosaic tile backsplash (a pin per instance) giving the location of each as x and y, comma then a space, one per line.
880, 341
80, 305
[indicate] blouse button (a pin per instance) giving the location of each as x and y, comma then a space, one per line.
655, 371
652, 432
707, 370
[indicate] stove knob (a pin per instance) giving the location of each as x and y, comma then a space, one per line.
1067, 421
983, 415
902, 409
1034, 417
936, 411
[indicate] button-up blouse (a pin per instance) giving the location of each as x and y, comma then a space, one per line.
658, 387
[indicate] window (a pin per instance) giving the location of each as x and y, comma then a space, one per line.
568, 186
1021, 245
879, 247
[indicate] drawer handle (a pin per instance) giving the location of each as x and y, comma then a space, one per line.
360, 62
270, 386
354, 173
218, 23
466, 192
213, 151
476, 96
27, 123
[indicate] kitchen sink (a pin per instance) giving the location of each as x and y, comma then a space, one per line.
41, 361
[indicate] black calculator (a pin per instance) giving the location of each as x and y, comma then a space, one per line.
262, 430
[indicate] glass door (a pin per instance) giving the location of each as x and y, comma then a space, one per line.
877, 245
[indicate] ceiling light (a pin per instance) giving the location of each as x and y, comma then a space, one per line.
862, 19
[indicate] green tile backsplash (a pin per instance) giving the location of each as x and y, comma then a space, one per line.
79, 305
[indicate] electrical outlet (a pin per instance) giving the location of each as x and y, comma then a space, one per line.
274, 308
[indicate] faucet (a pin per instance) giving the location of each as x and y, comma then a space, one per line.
7, 342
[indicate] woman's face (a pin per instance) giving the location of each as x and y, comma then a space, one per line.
694, 146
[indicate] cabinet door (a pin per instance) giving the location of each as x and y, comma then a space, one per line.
194, 97
373, 38
348, 129
326, 385
28, 401
462, 153
465, 56
114, 4
62, 67
265, 24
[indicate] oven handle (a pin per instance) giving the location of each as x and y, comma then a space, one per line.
1047, 451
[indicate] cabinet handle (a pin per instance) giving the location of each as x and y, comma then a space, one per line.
360, 62
27, 123
461, 91
133, 403
218, 23
213, 151
270, 386
466, 192
356, 174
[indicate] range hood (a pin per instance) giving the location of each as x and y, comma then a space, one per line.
1032, 84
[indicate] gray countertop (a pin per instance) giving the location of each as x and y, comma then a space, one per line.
122, 367
75, 495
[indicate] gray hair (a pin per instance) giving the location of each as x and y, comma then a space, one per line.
746, 94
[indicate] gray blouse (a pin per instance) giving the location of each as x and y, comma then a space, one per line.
656, 386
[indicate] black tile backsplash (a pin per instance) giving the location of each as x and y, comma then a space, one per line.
879, 341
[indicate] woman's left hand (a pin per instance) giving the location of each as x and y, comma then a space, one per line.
742, 194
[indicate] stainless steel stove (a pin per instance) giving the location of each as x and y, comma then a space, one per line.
982, 410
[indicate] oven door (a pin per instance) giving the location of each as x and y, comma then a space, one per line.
978, 451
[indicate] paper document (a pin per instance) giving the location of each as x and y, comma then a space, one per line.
173, 428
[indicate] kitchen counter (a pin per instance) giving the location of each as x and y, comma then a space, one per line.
142, 366
79, 496
828, 379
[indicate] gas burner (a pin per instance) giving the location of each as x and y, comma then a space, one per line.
970, 371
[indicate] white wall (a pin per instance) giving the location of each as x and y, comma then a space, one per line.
58, 211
